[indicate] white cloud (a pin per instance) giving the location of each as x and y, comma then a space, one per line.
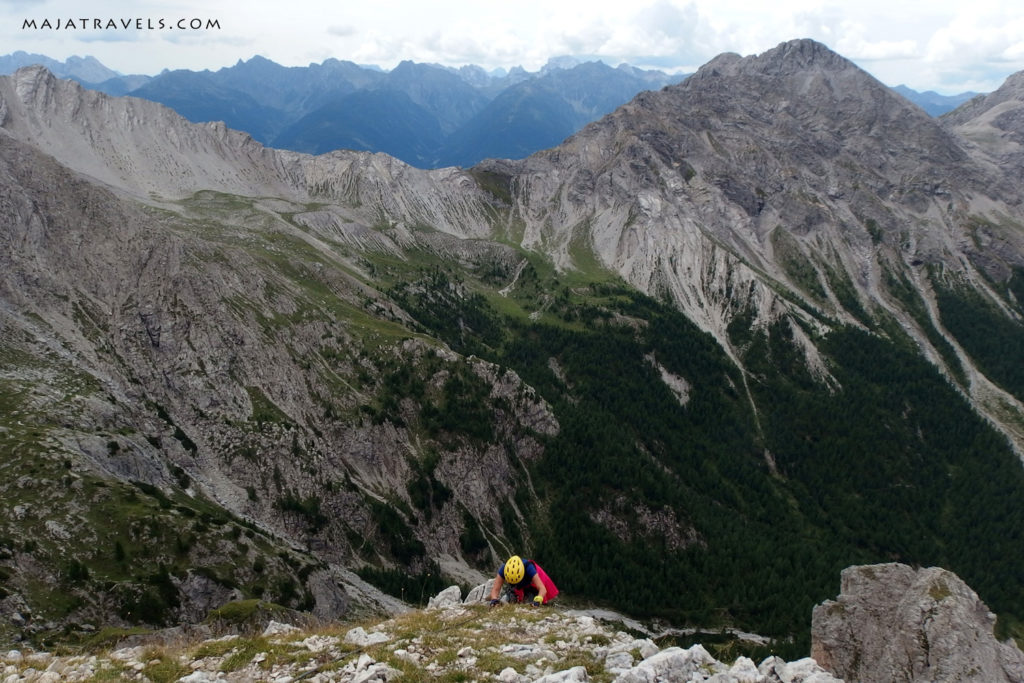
342, 31
938, 45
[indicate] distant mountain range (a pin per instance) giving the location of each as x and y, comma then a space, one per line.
934, 103
427, 115
82, 69
424, 114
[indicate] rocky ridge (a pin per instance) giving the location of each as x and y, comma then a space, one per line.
688, 190
148, 151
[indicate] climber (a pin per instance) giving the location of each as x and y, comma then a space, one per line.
524, 578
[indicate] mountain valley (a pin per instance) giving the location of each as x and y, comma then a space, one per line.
716, 346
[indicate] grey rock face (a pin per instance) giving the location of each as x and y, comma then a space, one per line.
200, 595
894, 623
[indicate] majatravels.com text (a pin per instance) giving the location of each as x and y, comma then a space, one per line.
138, 23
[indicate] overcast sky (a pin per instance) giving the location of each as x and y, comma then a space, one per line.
942, 45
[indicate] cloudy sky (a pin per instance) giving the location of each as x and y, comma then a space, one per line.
943, 45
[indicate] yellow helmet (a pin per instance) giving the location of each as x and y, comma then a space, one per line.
514, 569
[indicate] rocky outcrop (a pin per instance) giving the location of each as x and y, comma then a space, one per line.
895, 623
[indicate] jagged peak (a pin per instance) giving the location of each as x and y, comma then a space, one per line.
34, 72
804, 53
785, 59
29, 81
798, 70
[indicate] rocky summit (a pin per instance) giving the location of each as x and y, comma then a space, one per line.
735, 336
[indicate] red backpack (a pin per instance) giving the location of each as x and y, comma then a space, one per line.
549, 585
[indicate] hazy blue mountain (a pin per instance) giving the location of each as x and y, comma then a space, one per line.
523, 119
654, 78
476, 76
445, 95
492, 83
405, 112
296, 90
368, 120
82, 69
119, 85
541, 112
424, 114
310, 109
198, 97
932, 102
258, 96
87, 70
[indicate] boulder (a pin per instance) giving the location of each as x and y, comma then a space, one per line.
359, 637
806, 670
744, 670
275, 628
577, 674
895, 623
510, 675
481, 593
449, 597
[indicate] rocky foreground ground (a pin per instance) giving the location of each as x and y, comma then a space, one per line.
449, 641
890, 623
